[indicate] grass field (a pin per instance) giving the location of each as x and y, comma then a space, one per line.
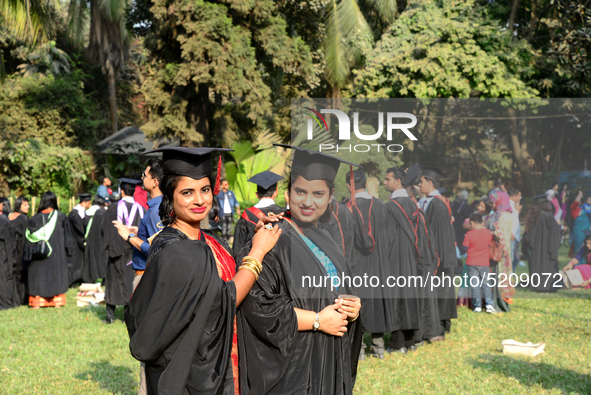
70, 351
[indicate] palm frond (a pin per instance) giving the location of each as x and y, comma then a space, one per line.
78, 14
335, 51
386, 9
354, 27
29, 20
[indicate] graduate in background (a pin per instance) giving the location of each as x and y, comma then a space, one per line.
430, 328
437, 211
298, 338
95, 254
540, 245
8, 279
181, 317
119, 278
78, 228
19, 220
340, 226
370, 257
267, 191
48, 273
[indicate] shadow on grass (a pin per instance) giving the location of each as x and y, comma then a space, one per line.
115, 379
535, 373
101, 313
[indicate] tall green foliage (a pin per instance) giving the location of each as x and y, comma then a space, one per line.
52, 109
32, 167
218, 68
447, 48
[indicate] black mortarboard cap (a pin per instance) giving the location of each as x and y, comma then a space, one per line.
189, 162
442, 190
266, 179
540, 198
84, 197
313, 165
129, 181
433, 172
412, 175
587, 233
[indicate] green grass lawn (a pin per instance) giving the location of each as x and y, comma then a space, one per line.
70, 351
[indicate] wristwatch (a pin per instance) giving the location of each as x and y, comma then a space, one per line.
316, 325
130, 236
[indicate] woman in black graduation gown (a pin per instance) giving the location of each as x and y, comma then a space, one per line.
541, 244
48, 277
181, 316
19, 221
296, 338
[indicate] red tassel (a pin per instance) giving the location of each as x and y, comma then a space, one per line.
216, 189
353, 201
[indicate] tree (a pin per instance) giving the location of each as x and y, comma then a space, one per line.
348, 33
218, 69
29, 21
447, 49
108, 44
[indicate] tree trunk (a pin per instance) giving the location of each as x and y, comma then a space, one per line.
198, 117
533, 22
513, 15
520, 156
558, 152
112, 96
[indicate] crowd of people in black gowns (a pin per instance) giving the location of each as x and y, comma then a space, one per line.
204, 317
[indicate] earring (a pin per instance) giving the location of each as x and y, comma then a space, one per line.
171, 214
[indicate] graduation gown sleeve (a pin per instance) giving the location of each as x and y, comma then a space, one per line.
180, 321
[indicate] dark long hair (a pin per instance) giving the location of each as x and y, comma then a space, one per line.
5, 206
18, 203
533, 215
330, 184
167, 187
48, 200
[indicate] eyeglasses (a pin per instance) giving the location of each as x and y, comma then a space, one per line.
143, 175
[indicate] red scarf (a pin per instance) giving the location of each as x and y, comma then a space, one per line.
226, 270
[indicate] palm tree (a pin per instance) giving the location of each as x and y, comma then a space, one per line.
348, 33
29, 21
109, 44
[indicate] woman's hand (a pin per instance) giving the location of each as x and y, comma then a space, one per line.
264, 240
271, 217
331, 321
350, 307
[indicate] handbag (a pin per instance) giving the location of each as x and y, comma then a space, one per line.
495, 250
37, 251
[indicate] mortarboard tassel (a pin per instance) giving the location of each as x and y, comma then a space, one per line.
216, 189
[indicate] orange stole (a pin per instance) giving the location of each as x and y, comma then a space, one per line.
226, 270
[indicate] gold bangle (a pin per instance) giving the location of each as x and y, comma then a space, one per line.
256, 276
250, 259
252, 266
253, 261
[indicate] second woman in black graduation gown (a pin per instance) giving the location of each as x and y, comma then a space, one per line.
276, 357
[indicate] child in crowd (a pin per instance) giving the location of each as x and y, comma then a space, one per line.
478, 241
